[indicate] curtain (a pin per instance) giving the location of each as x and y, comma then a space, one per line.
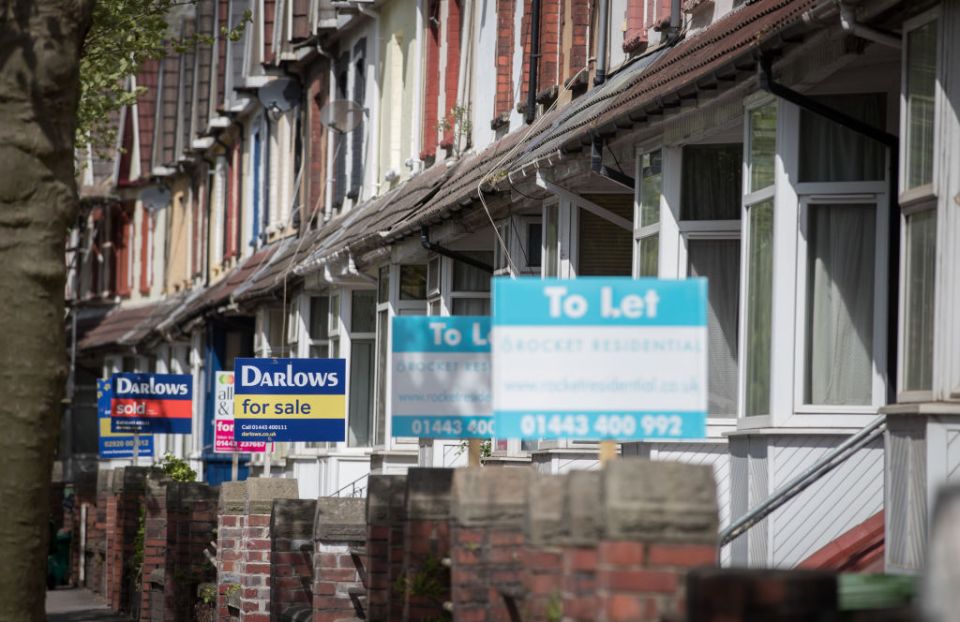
471, 306
651, 182
719, 262
363, 311
649, 255
921, 91
466, 278
831, 152
840, 273
711, 182
361, 392
918, 323
759, 308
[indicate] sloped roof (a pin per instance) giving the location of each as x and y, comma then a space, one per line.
128, 325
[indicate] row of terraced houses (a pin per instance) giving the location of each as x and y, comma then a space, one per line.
342, 162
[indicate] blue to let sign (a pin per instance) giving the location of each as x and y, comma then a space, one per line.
600, 358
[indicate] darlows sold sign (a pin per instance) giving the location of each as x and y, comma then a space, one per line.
600, 358
283, 400
160, 403
116, 444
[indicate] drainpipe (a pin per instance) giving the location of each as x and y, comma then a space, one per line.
531, 112
603, 31
446, 252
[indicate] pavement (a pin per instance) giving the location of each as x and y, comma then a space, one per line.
78, 605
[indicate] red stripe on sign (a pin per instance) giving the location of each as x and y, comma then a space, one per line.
158, 409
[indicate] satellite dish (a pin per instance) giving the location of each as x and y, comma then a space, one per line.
342, 115
155, 198
280, 94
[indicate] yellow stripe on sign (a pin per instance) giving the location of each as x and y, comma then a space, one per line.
105, 429
290, 406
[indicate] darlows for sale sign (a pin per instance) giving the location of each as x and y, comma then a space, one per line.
600, 358
159, 403
284, 400
116, 444
223, 441
441, 377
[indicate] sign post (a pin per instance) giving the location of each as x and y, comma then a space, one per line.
289, 400
606, 359
441, 379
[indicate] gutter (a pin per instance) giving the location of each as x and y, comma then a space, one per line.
452, 254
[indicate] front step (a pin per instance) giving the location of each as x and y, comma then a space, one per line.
860, 549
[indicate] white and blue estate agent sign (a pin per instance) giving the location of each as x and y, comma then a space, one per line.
441, 377
285, 400
116, 444
600, 358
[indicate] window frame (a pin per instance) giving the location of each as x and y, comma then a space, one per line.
880, 201
656, 229
926, 191
916, 395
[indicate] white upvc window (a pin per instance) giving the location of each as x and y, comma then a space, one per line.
276, 331
458, 288
646, 234
523, 238
921, 100
559, 254
314, 342
813, 332
359, 318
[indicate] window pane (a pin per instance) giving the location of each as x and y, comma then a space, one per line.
503, 239
719, 262
361, 392
650, 188
319, 308
318, 352
918, 301
383, 284
920, 89
433, 276
763, 146
550, 241
831, 152
275, 329
413, 282
534, 247
759, 306
467, 278
606, 249
649, 255
363, 311
334, 315
471, 306
840, 271
711, 182
383, 338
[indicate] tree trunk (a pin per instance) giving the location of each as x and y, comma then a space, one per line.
40, 43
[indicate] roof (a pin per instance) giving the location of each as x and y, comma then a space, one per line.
219, 294
643, 84
286, 254
130, 324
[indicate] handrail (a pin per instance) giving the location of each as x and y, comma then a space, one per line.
353, 486
832, 460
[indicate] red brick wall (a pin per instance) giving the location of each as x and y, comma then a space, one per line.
339, 530
255, 578
451, 77
229, 561
431, 91
503, 102
292, 558
318, 89
383, 563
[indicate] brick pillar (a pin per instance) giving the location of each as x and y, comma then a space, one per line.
122, 524
716, 595
255, 544
339, 532
545, 528
426, 578
382, 490
489, 506
291, 559
96, 544
230, 523
396, 550
660, 520
581, 509
160, 523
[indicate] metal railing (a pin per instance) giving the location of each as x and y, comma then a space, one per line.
356, 488
829, 462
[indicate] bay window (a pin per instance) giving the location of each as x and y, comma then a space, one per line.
919, 258
362, 364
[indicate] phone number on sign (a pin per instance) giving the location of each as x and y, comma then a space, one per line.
602, 426
451, 427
